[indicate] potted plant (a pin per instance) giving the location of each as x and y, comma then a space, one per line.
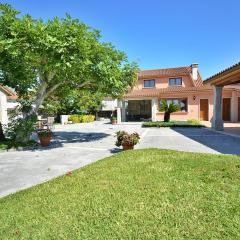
126, 140
114, 120
45, 136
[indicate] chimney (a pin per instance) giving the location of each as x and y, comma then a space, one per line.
194, 67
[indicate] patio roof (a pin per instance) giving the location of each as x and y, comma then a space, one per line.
228, 76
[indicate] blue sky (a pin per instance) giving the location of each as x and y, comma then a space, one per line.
157, 33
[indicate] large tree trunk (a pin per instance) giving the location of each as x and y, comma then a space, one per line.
30, 115
25, 129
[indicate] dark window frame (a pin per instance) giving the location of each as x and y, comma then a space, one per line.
149, 80
175, 81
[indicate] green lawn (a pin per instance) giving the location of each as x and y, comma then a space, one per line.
189, 123
140, 194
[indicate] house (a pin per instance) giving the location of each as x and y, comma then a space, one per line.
7, 103
181, 85
108, 108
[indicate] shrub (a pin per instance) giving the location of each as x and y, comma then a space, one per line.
172, 124
18, 129
74, 119
194, 121
81, 118
44, 133
87, 118
124, 138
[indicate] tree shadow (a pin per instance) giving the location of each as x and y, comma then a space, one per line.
63, 137
78, 137
222, 143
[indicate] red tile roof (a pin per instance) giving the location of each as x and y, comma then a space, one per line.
161, 91
10, 93
179, 71
168, 72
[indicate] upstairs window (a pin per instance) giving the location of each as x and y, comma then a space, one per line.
175, 81
149, 83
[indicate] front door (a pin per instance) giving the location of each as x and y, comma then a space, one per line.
204, 109
226, 109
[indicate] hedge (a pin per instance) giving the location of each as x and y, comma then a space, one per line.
81, 118
190, 123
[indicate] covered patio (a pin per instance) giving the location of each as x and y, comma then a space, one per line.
228, 77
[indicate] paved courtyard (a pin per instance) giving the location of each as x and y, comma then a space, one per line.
77, 145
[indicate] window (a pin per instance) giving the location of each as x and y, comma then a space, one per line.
175, 81
149, 83
181, 102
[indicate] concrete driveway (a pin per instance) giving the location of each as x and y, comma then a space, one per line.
202, 140
74, 146
77, 145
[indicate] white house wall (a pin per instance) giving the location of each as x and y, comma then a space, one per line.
3, 108
109, 105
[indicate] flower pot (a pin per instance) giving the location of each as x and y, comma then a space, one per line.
127, 147
114, 121
45, 140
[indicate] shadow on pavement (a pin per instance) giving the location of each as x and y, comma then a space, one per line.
222, 143
78, 137
62, 137
116, 150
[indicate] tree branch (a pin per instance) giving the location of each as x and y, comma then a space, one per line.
53, 88
83, 84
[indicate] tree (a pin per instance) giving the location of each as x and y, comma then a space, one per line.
72, 101
38, 57
168, 108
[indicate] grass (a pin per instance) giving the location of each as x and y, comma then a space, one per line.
189, 123
8, 144
140, 194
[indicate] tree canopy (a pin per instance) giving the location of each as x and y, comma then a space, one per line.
72, 101
37, 57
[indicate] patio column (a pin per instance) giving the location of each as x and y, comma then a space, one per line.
154, 109
119, 118
217, 122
